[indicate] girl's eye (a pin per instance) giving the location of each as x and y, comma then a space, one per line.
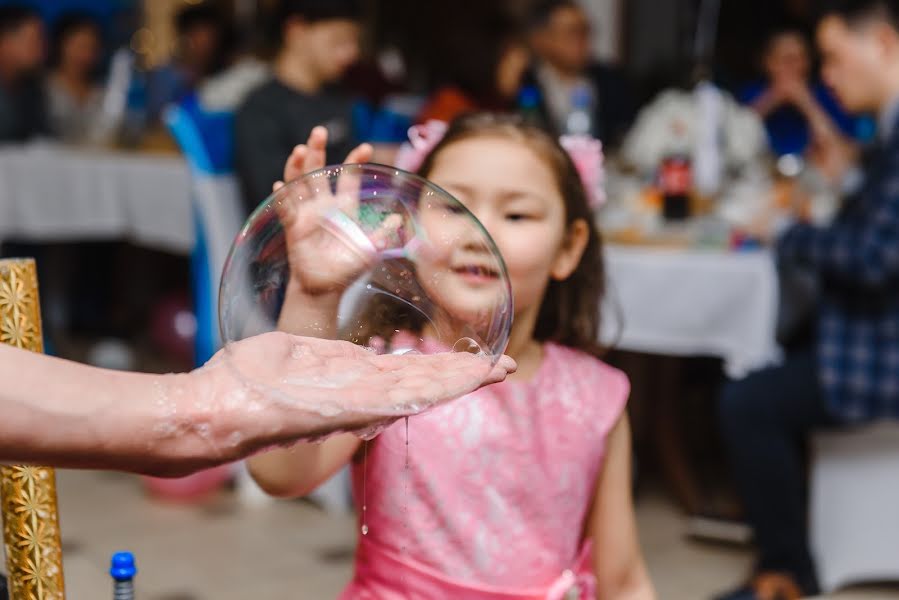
517, 217
453, 208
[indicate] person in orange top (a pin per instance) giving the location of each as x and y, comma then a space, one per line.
484, 72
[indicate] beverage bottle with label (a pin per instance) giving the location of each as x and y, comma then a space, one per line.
580, 119
675, 184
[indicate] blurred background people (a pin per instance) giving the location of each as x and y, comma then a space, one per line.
227, 89
23, 110
482, 68
74, 97
799, 112
318, 42
848, 375
566, 81
201, 49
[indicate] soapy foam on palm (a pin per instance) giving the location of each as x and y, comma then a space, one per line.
173, 423
317, 393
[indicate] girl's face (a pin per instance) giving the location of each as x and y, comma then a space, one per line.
513, 193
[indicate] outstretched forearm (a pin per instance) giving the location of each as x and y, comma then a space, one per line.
59, 413
69, 415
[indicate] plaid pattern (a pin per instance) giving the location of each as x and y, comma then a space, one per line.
857, 261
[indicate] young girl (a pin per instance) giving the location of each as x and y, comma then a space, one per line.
520, 490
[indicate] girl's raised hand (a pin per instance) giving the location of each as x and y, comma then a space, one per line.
326, 247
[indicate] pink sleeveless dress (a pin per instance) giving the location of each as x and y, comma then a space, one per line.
492, 501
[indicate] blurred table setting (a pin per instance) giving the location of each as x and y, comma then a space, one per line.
687, 228
51, 192
703, 284
691, 204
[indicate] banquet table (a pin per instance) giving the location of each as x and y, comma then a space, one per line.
693, 302
53, 193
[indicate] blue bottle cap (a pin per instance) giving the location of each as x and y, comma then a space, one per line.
122, 568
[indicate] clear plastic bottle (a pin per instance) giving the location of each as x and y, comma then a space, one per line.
580, 119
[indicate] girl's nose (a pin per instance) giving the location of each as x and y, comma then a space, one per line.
473, 235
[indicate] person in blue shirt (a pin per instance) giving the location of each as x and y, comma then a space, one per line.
799, 113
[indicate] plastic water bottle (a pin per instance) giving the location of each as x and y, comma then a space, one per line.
707, 164
115, 98
123, 571
580, 119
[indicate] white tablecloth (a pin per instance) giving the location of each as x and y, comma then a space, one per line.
693, 303
53, 193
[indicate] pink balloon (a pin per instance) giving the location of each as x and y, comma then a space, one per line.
173, 328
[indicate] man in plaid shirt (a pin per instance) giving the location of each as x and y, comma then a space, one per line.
852, 374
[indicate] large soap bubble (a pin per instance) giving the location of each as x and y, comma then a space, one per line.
371, 255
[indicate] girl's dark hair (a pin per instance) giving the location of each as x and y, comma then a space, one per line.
570, 310
66, 26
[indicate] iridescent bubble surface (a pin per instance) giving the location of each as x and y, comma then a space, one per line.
371, 255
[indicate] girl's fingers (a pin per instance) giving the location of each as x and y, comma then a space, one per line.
348, 183
294, 166
317, 143
360, 154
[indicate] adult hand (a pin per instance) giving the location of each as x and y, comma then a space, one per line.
278, 388
272, 389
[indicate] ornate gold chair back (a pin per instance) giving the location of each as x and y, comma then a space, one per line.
28, 494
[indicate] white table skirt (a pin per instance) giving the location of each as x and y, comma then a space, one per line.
693, 303
54, 193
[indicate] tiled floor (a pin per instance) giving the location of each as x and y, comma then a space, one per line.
221, 551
